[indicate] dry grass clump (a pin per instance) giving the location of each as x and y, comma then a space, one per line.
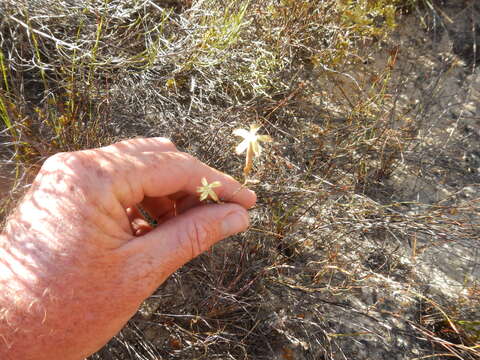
332, 237
74, 75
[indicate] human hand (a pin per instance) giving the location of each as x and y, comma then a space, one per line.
77, 258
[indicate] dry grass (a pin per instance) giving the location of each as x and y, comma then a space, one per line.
332, 266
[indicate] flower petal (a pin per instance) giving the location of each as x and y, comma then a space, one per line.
254, 128
264, 138
213, 195
257, 149
241, 132
204, 195
241, 147
215, 184
204, 182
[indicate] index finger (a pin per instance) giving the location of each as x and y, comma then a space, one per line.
140, 144
133, 176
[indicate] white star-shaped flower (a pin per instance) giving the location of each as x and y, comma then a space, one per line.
250, 138
206, 190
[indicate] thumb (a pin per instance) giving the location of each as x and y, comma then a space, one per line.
182, 238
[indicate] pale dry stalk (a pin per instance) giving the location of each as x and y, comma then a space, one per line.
248, 161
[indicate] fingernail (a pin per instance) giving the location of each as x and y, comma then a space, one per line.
252, 195
251, 192
234, 223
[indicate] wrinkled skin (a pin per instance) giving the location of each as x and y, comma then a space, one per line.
77, 258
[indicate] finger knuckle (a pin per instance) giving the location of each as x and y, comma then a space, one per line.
74, 172
62, 161
55, 161
166, 142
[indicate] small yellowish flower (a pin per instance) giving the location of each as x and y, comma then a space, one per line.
206, 190
251, 139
